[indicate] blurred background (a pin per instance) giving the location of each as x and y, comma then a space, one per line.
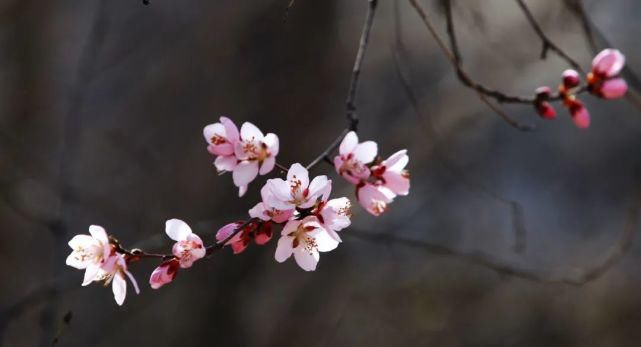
103, 105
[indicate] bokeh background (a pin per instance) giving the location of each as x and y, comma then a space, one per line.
103, 104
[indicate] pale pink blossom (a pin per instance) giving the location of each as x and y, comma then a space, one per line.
608, 63
90, 252
297, 191
239, 241
351, 163
266, 212
374, 198
222, 138
165, 273
304, 239
188, 247
256, 154
392, 173
114, 271
334, 215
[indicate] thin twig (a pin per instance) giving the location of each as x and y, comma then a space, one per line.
350, 102
482, 91
575, 278
548, 45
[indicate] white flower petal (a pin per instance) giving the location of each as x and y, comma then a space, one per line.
318, 186
267, 166
366, 152
90, 273
249, 131
348, 144
284, 249
225, 163
271, 140
212, 130
397, 161
177, 230
298, 172
99, 233
324, 242
119, 287
245, 172
307, 260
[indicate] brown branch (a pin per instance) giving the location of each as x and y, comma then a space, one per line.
482, 91
575, 278
404, 77
548, 45
350, 102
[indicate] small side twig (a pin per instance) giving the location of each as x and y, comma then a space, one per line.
350, 102
548, 45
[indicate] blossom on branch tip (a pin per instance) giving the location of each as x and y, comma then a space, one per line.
188, 247
374, 198
391, 173
246, 153
114, 271
90, 252
351, 163
165, 273
603, 80
304, 239
265, 212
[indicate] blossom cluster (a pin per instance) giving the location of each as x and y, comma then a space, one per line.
309, 219
603, 81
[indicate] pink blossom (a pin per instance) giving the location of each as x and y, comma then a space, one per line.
304, 239
541, 104
189, 247
613, 88
113, 271
222, 138
263, 233
256, 153
239, 241
334, 215
351, 163
297, 190
267, 213
374, 198
392, 173
608, 63
165, 273
89, 252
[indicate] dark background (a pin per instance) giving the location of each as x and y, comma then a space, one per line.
103, 105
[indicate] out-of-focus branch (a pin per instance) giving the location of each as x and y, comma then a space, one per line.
482, 91
404, 76
350, 102
548, 45
576, 277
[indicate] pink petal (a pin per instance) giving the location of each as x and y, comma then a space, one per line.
374, 198
614, 88
241, 191
318, 186
581, 117
348, 144
608, 62
99, 233
227, 230
284, 249
259, 211
213, 130
225, 164
163, 274
267, 166
306, 259
119, 288
398, 183
397, 161
230, 130
245, 172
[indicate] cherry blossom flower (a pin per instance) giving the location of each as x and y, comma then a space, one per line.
374, 198
266, 212
603, 80
113, 271
89, 252
257, 154
165, 273
297, 191
334, 215
391, 173
304, 239
222, 138
351, 163
188, 247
